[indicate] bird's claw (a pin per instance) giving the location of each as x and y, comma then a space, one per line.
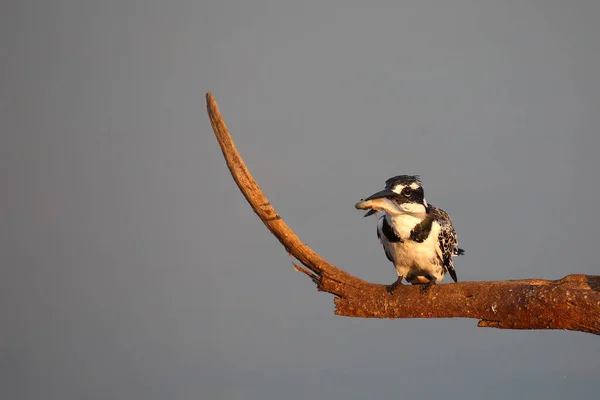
427, 286
391, 288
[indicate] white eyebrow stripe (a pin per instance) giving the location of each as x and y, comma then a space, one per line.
414, 185
398, 188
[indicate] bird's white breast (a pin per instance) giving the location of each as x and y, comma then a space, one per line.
410, 257
403, 224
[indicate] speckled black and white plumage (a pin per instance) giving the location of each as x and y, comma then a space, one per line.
448, 240
416, 236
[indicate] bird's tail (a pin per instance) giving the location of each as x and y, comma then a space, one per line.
452, 273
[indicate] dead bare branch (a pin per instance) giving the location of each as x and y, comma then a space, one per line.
571, 303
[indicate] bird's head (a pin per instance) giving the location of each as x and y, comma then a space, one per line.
403, 194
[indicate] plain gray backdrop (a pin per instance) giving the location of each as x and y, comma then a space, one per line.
133, 268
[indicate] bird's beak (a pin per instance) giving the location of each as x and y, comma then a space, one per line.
370, 212
380, 194
378, 202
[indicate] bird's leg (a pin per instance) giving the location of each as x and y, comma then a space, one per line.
393, 286
428, 285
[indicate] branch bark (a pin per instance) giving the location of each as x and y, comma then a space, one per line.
571, 303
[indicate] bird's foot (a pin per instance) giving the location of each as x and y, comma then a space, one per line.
391, 288
427, 286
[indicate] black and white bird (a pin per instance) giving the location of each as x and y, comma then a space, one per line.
416, 236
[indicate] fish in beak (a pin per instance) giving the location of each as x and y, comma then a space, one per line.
379, 202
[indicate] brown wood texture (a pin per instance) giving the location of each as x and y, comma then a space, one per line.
571, 303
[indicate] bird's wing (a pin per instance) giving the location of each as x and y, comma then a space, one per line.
448, 241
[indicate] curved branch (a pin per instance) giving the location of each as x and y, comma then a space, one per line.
571, 303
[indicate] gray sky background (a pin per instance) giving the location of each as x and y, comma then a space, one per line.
132, 267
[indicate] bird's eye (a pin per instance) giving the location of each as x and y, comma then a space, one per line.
406, 191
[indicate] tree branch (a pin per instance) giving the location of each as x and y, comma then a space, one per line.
571, 303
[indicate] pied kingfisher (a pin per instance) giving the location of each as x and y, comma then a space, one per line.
417, 237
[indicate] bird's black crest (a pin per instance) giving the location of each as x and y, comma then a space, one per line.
402, 180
